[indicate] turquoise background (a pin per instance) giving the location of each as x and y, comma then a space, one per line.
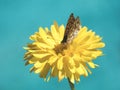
21, 18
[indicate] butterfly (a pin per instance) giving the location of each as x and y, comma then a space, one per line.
72, 28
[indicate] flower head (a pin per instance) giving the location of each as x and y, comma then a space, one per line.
51, 57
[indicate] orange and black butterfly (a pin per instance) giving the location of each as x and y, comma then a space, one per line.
72, 28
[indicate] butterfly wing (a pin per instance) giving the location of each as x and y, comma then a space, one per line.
72, 28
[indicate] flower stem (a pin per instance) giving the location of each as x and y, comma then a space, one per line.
71, 85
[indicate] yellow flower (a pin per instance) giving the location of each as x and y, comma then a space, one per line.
51, 58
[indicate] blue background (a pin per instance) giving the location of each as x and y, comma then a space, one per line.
21, 18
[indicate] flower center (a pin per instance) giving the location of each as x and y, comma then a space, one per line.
60, 48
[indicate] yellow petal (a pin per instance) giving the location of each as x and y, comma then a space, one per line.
41, 55
46, 30
60, 63
45, 70
43, 45
52, 60
33, 60
96, 45
72, 79
86, 58
66, 67
77, 60
56, 26
81, 34
61, 31
92, 65
32, 37
60, 75
55, 34
42, 33
96, 54
37, 64
54, 71
85, 71
79, 70
39, 67
48, 79
77, 77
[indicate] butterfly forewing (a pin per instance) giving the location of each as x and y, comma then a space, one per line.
72, 28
